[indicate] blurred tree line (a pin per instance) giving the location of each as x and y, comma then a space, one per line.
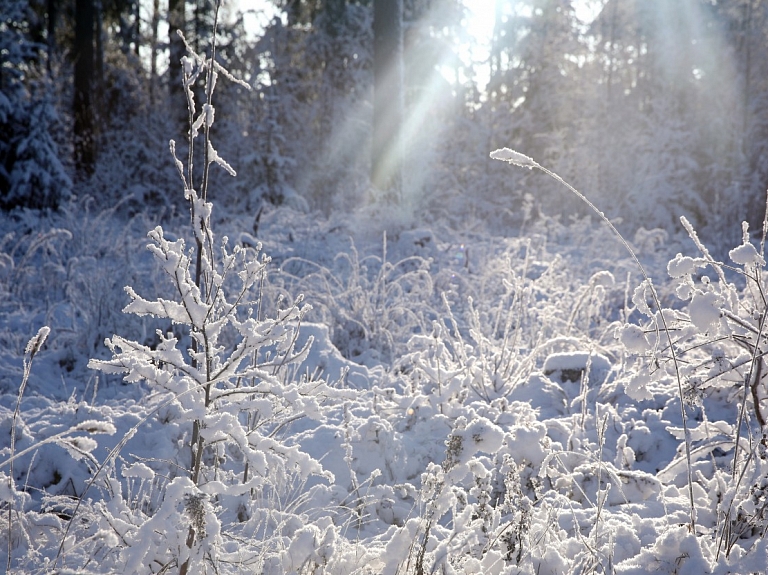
653, 108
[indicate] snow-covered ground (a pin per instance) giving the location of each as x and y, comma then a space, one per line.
453, 401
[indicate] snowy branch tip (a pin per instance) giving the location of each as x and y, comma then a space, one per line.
507, 155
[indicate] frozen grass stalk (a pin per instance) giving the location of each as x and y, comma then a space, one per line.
518, 159
30, 351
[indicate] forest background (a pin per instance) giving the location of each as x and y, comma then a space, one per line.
657, 109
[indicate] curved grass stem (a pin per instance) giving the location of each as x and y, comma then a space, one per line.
518, 159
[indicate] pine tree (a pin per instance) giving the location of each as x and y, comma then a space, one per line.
31, 172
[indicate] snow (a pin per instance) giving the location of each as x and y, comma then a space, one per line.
633, 338
480, 404
138, 470
603, 278
637, 387
746, 255
704, 310
681, 266
578, 360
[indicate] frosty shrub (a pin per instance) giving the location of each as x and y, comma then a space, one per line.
36, 529
521, 160
720, 336
29, 263
75, 261
711, 352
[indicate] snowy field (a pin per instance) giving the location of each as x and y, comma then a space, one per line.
425, 400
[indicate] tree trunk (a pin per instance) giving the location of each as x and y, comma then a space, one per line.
137, 29
387, 150
153, 53
203, 24
98, 63
494, 60
51, 39
82, 107
747, 74
334, 13
178, 103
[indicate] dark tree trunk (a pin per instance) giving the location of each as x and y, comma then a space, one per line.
51, 6
176, 23
387, 152
137, 30
98, 63
84, 142
203, 24
153, 48
334, 12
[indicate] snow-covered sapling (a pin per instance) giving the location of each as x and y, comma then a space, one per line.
227, 384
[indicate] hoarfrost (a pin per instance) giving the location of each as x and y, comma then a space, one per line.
513, 157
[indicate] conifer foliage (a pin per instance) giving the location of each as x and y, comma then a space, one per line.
32, 173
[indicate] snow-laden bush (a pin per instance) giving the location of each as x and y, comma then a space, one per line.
66, 269
705, 365
718, 339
